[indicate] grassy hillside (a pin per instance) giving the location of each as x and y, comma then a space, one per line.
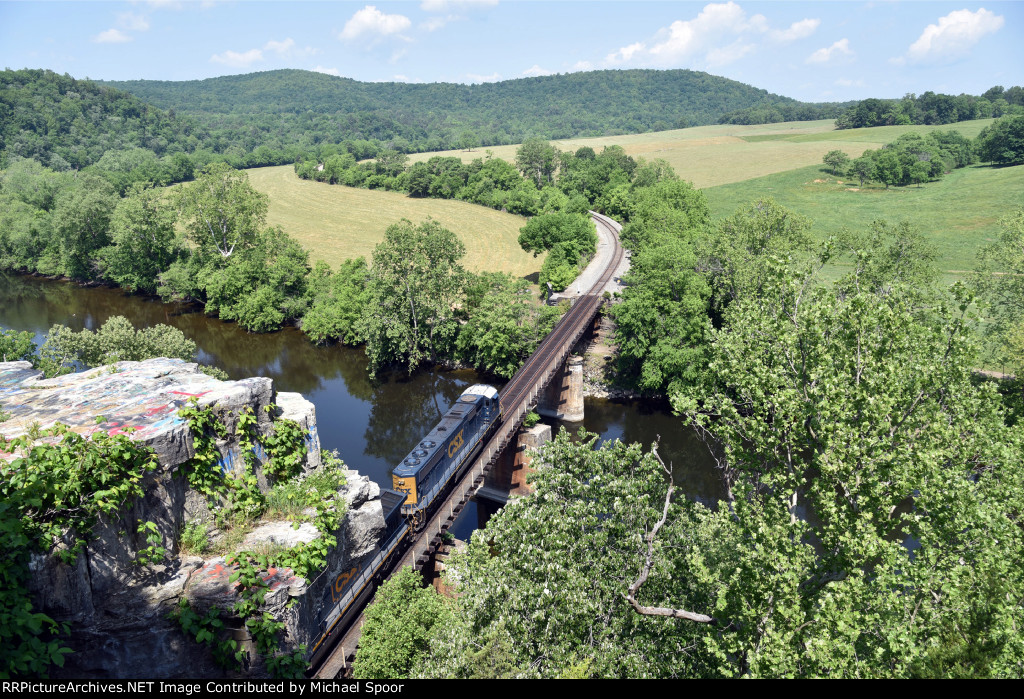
336, 223
711, 155
960, 213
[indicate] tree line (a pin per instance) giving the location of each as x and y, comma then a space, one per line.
915, 158
933, 108
295, 106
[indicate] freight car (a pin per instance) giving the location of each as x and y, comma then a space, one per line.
419, 481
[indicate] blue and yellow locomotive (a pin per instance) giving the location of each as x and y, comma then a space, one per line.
440, 454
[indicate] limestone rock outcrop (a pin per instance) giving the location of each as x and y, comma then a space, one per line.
119, 611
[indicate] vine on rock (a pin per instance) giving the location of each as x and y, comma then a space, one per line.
52, 493
239, 495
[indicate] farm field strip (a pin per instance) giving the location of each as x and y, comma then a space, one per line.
336, 223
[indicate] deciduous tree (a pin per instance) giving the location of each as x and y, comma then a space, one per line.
415, 287
220, 210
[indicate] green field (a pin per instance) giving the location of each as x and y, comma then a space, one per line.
735, 165
959, 213
709, 156
336, 223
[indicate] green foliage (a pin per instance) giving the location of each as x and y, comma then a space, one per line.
249, 110
17, 346
504, 325
338, 302
195, 538
52, 494
153, 552
81, 222
570, 240
285, 446
537, 160
238, 495
396, 634
915, 158
117, 340
662, 321
415, 286
543, 232
260, 286
220, 210
1003, 141
836, 161
1000, 284
71, 124
541, 590
847, 418
873, 495
143, 241
531, 419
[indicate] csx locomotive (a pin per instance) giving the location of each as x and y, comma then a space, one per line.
437, 458
418, 481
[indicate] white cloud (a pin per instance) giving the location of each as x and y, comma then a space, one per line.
954, 36
435, 23
370, 21
283, 49
132, 22
449, 5
728, 54
720, 33
626, 53
111, 36
839, 49
405, 79
798, 30
536, 71
238, 60
700, 33
328, 71
846, 82
579, 66
280, 46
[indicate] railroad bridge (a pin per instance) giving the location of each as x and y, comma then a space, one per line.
549, 370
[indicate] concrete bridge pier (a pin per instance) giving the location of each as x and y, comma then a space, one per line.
563, 398
507, 479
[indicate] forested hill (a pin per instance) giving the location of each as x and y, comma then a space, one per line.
66, 123
434, 116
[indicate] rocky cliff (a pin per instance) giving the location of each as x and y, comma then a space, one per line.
119, 611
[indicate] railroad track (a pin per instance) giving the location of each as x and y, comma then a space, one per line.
517, 398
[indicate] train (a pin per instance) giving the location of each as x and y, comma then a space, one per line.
419, 480
430, 466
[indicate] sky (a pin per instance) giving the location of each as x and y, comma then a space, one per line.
811, 51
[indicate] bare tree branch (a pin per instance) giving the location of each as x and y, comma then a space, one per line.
649, 562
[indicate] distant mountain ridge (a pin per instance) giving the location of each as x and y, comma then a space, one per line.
595, 103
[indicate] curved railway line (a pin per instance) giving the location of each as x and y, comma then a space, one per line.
517, 398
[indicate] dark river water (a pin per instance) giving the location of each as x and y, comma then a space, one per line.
372, 424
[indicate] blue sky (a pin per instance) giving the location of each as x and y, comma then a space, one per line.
821, 51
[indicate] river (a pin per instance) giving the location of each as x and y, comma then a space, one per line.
372, 424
